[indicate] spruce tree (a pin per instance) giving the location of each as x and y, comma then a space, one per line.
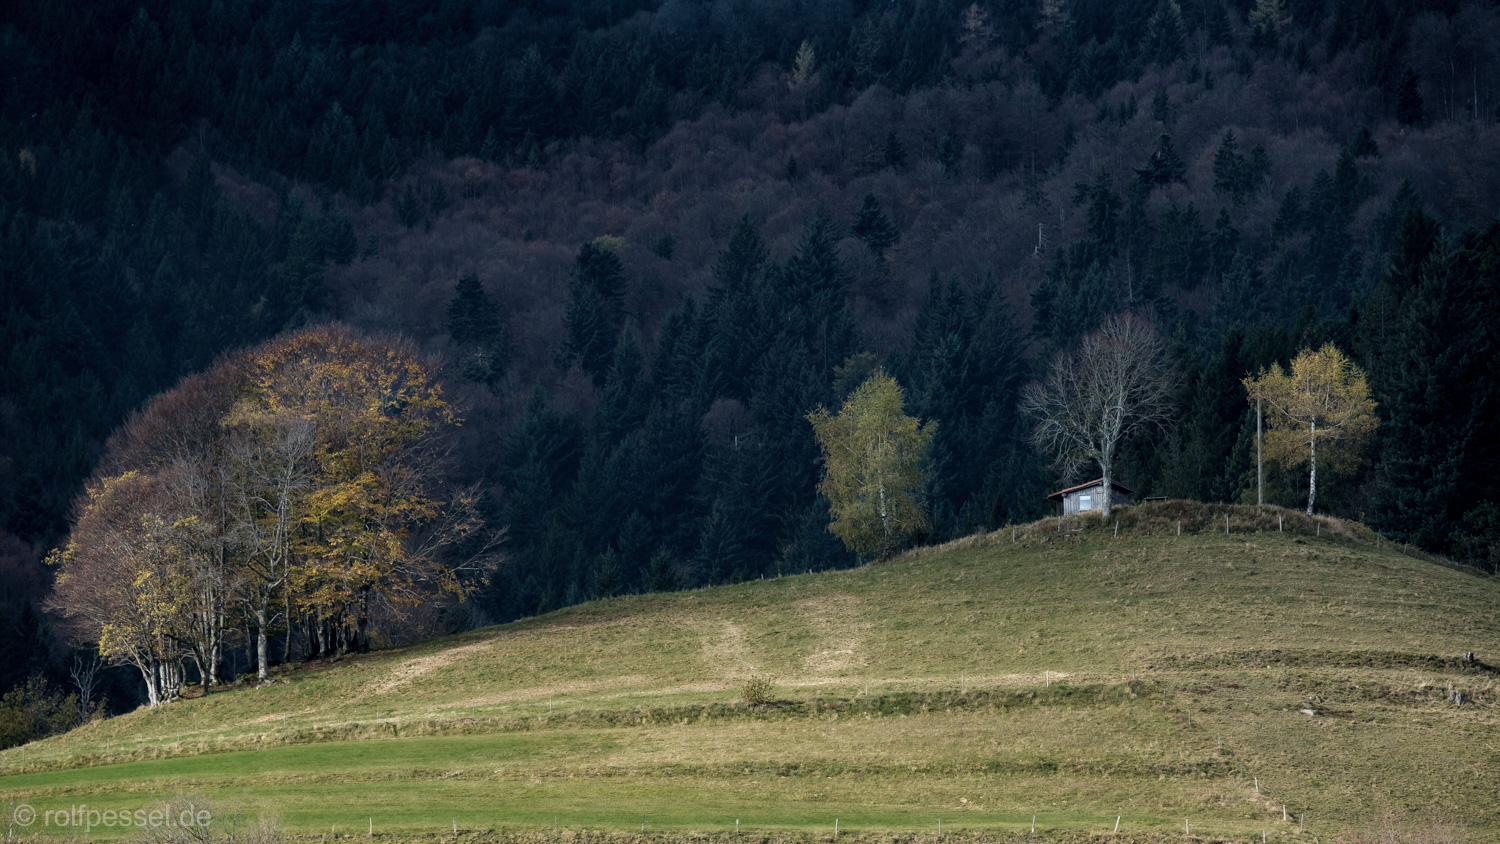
596, 310
1223, 245
1220, 32
893, 152
736, 333
811, 287
1103, 213
1289, 216
1161, 108
736, 266
1362, 144
1179, 255
1164, 166
476, 326
532, 102
871, 226
1267, 20
679, 367
626, 395
1409, 99
1229, 167
1237, 295
408, 207
1165, 34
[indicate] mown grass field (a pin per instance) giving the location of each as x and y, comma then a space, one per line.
1061, 673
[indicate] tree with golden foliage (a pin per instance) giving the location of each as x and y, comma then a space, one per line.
873, 456
1323, 401
333, 453
296, 482
129, 576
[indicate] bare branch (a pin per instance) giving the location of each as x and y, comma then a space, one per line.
1117, 382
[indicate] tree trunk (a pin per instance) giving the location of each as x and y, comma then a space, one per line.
362, 630
1260, 477
286, 649
1106, 493
171, 680
1312, 475
262, 669
148, 673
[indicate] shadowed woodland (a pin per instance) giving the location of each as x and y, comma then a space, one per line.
645, 239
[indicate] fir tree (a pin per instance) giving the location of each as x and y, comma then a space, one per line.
595, 314
1362, 144
1229, 167
475, 324
1165, 34
408, 207
871, 226
1164, 166
893, 152
1409, 99
1220, 32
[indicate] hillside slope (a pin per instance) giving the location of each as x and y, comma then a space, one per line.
1059, 671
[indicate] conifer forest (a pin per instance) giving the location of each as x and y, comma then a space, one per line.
619, 252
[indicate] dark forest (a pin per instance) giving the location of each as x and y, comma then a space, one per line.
645, 239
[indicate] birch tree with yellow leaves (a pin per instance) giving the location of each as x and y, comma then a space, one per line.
1320, 410
873, 456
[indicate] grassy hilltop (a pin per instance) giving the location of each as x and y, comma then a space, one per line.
1059, 671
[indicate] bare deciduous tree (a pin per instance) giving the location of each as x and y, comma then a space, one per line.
1115, 383
85, 674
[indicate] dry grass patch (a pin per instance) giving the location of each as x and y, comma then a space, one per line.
996, 669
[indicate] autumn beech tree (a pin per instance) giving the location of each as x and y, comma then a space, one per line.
301, 481
1116, 383
1324, 401
128, 577
148, 537
344, 452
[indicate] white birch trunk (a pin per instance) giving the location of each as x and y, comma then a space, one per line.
148, 673
1312, 475
1260, 477
263, 671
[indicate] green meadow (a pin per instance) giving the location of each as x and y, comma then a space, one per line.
1285, 677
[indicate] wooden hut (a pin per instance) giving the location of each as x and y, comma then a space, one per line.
1085, 497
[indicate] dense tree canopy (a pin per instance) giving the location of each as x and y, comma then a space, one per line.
294, 483
873, 456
